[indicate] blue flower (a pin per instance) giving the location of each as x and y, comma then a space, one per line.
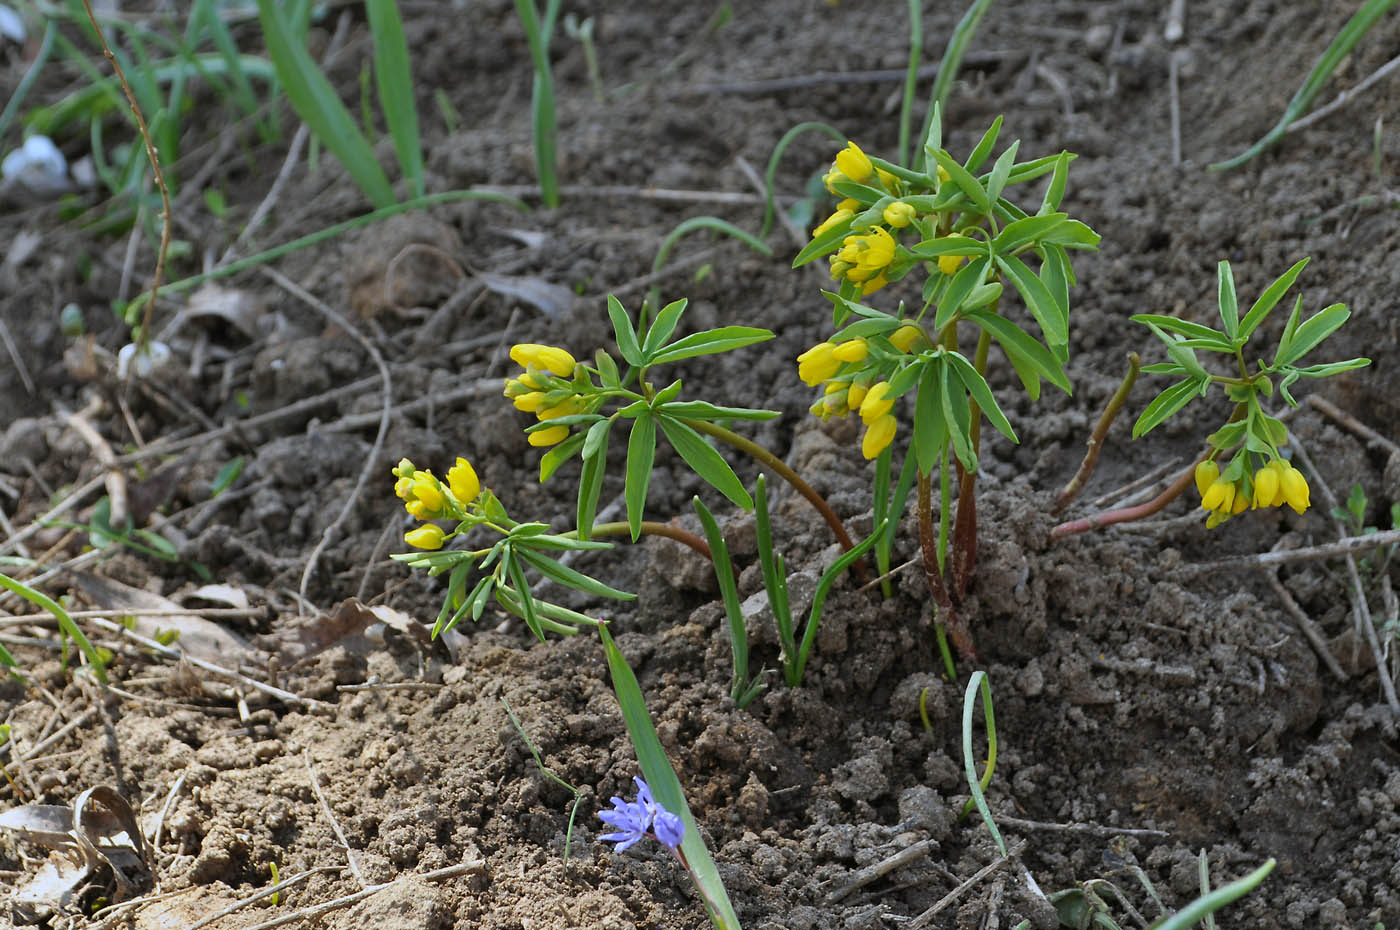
633, 820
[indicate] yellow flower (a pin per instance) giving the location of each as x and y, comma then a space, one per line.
855, 395
830, 179
550, 358
869, 253
853, 351
402, 487
875, 404
850, 203
878, 435
818, 364
900, 214
834, 400
942, 174
462, 481
1241, 502
1219, 496
1266, 484
831, 222
548, 437
530, 402
853, 163
904, 338
1295, 489
887, 180
522, 385
427, 536
427, 492
874, 284
949, 264
567, 407
1206, 473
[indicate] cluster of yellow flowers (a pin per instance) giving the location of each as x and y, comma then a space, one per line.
425, 497
825, 360
540, 391
1274, 485
865, 257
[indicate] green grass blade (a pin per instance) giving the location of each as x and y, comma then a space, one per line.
65, 622
774, 573
41, 58
665, 786
770, 175
548, 773
911, 77
729, 591
1197, 910
394, 80
974, 785
683, 228
952, 61
1340, 47
814, 618
318, 105
537, 34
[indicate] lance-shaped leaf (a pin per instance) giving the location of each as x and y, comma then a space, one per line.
1042, 305
663, 326
551, 460
1036, 167
590, 481
525, 602
1073, 235
1001, 171
965, 182
983, 149
1306, 337
1269, 299
930, 427
1332, 368
703, 410
641, 453
1031, 360
1056, 191
957, 414
704, 460
1198, 335
1182, 354
1229, 303
952, 244
729, 592
624, 332
968, 278
1165, 404
822, 244
982, 393
710, 342
1026, 231
572, 578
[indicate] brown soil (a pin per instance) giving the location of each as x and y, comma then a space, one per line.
1132, 692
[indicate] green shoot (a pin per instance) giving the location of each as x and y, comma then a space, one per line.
538, 33
977, 682
741, 689
549, 773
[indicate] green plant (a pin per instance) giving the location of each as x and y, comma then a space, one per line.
538, 32
548, 773
1353, 517
66, 627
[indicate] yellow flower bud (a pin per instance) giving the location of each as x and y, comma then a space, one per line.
427, 491
550, 358
530, 402
419, 510
878, 435
899, 214
853, 163
850, 203
949, 264
548, 437
831, 222
904, 338
870, 253
404, 469
1219, 496
876, 404
1216, 518
1206, 473
565, 408
1241, 502
887, 180
425, 537
1278, 466
855, 395
818, 364
1295, 489
942, 174
402, 487
874, 284
462, 481
1265, 486
853, 351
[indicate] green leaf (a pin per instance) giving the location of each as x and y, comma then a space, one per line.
226, 476
958, 416
1227, 435
953, 244
774, 573
664, 784
1039, 301
1001, 171
1199, 333
607, 369
1022, 232
983, 149
558, 455
1031, 360
641, 453
964, 281
1056, 191
1306, 337
590, 481
1072, 234
982, 393
1183, 355
1036, 167
1333, 368
1057, 274
663, 326
65, 622
711, 342
1229, 303
705, 461
394, 79
729, 593
965, 181
703, 410
525, 603
1165, 404
1270, 298
625, 334
930, 429
571, 578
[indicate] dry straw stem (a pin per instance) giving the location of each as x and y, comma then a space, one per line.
1341, 547
951, 897
1352, 423
330, 815
882, 868
309, 914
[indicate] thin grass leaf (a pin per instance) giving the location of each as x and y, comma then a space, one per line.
65, 622
1339, 48
949, 66
316, 102
729, 593
979, 682
683, 229
590, 481
542, 110
704, 410
774, 574
771, 173
393, 78
548, 773
711, 342
1196, 911
705, 461
664, 784
814, 616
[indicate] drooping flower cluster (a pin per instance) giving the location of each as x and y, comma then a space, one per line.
1273, 485
632, 821
544, 389
425, 497
869, 253
841, 369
